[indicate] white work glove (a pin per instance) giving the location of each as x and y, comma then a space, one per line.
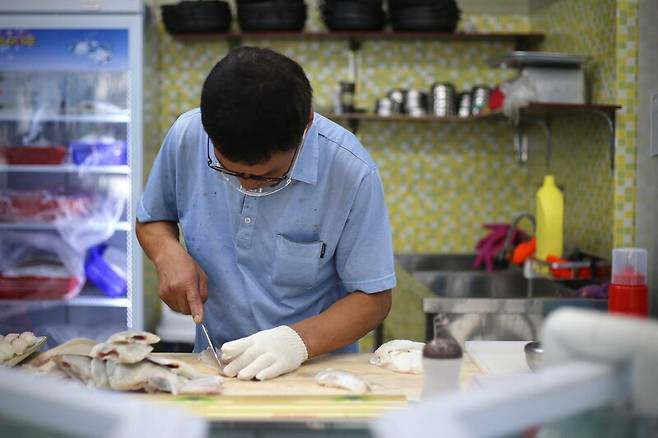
264, 355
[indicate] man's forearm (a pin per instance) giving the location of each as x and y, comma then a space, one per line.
155, 236
346, 321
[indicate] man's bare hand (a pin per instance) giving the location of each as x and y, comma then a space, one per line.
183, 284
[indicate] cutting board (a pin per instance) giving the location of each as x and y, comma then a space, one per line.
498, 357
296, 396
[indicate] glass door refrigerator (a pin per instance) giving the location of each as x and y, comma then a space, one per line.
70, 167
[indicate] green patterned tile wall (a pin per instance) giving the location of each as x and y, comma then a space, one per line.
442, 180
581, 160
599, 202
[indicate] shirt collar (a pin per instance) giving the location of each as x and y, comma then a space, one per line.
306, 169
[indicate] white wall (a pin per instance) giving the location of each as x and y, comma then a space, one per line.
647, 164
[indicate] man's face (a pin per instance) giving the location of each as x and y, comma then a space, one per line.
277, 166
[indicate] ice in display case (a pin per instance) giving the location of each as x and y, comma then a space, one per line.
70, 167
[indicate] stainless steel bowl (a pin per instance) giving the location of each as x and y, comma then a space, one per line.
533, 354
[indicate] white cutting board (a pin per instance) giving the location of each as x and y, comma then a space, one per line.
498, 357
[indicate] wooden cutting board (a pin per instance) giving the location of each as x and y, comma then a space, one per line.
296, 396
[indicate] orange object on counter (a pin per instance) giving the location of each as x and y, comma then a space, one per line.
566, 272
524, 251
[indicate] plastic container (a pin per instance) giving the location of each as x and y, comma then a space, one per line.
40, 206
102, 267
33, 287
550, 220
50, 155
628, 293
442, 361
94, 153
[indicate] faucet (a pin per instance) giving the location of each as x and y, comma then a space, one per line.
502, 255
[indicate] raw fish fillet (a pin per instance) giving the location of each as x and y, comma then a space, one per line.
401, 356
208, 359
98, 374
123, 353
143, 375
77, 346
49, 369
203, 385
6, 351
176, 366
341, 379
76, 367
131, 337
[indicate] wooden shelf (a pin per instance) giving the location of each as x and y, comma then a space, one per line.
544, 109
493, 115
535, 110
520, 39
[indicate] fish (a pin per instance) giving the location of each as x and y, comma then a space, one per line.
98, 373
202, 386
342, 379
6, 351
152, 378
132, 337
176, 366
50, 369
77, 346
144, 375
400, 355
123, 353
208, 358
76, 367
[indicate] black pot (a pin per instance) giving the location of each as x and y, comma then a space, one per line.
269, 16
449, 4
196, 17
351, 15
425, 19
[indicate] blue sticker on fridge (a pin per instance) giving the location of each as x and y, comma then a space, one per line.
64, 49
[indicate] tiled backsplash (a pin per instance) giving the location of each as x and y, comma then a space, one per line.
444, 180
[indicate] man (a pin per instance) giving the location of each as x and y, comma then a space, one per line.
286, 234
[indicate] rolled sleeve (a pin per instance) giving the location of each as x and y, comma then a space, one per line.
364, 255
158, 201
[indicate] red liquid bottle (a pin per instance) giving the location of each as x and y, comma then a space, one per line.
628, 293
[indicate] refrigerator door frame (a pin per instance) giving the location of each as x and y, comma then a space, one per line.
132, 22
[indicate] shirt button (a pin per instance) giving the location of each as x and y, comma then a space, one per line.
247, 220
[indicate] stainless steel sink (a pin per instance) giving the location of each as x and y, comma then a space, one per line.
475, 304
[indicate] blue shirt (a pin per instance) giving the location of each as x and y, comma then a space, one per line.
281, 258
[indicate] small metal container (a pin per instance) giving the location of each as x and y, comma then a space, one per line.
442, 98
533, 355
480, 99
415, 103
397, 97
464, 107
384, 107
347, 90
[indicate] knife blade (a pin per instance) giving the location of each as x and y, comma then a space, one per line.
211, 345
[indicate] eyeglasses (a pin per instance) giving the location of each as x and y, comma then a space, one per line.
273, 183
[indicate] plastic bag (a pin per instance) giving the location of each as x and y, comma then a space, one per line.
98, 223
38, 265
41, 206
518, 94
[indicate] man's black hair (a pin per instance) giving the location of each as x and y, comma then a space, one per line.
255, 102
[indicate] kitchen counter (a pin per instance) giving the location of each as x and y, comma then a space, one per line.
296, 396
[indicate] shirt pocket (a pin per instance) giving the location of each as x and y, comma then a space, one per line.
296, 264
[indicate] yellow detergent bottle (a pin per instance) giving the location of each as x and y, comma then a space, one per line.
550, 220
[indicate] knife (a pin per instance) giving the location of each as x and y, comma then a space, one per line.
210, 344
